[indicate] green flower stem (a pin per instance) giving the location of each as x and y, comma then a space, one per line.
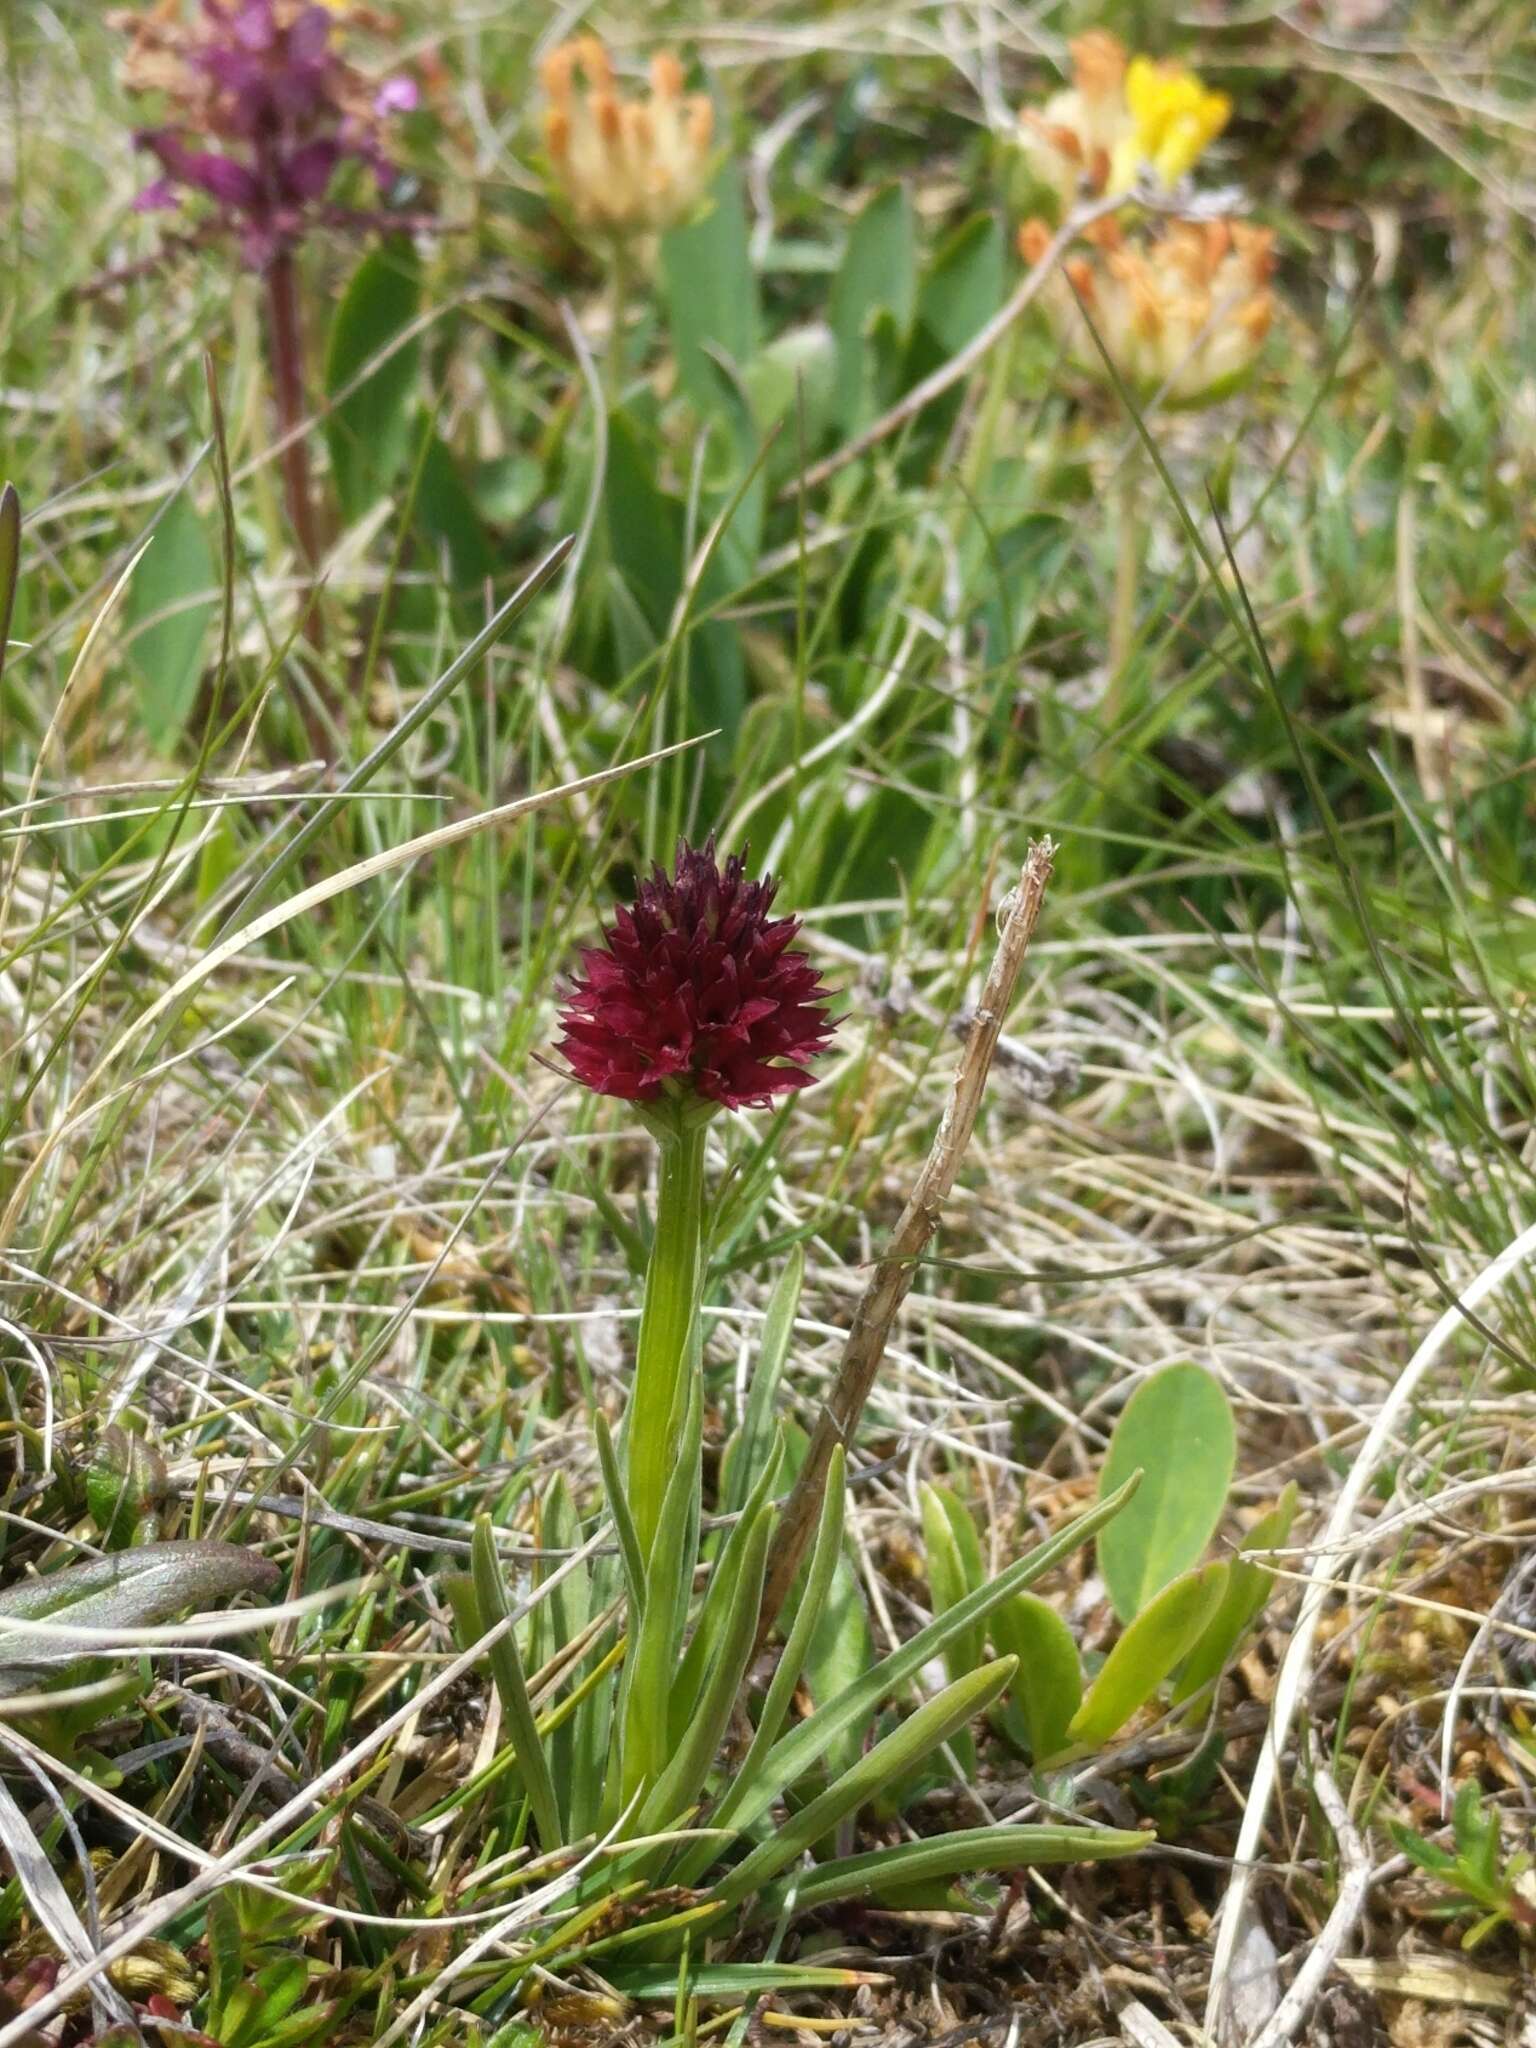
672, 1288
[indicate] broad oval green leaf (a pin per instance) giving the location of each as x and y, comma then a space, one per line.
127, 1590
1048, 1685
167, 609
1149, 1649
368, 428
1176, 1430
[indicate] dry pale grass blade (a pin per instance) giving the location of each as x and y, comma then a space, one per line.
1296, 1667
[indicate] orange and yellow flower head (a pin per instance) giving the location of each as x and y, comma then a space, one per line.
1182, 308
624, 166
1122, 118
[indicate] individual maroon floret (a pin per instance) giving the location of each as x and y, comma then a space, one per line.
696, 991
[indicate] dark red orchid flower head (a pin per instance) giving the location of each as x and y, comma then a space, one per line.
264, 107
696, 994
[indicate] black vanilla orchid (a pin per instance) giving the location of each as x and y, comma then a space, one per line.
697, 993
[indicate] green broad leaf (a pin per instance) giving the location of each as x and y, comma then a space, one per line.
895, 1758
1049, 1685
710, 291
878, 274
752, 1443
126, 1590
645, 533
1176, 1430
369, 430
856, 1705
793, 380
506, 1664
1248, 1588
226, 1957
963, 288
167, 609
1160, 1636
445, 518
735, 1980
968, 1852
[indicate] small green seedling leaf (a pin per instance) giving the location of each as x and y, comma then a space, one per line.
1160, 1636
1247, 1591
1176, 1430
1048, 1685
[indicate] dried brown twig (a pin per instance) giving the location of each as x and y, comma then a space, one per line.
893, 1274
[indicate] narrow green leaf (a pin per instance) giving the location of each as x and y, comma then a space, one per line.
901, 1751
166, 612
1247, 1591
623, 1520
1049, 1684
698, 1743
955, 1568
1149, 1649
1176, 1430
651, 1667
750, 1445
369, 431
825, 1559
507, 1670
719, 1601
962, 1854
651, 1985
566, 1610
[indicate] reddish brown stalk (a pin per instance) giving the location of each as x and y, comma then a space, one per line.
892, 1277
285, 337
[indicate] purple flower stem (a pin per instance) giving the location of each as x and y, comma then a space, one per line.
285, 342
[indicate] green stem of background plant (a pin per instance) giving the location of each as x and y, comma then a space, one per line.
618, 310
1130, 539
672, 1288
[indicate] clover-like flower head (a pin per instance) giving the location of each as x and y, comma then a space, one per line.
1182, 308
625, 167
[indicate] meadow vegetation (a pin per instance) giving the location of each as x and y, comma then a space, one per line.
752, 430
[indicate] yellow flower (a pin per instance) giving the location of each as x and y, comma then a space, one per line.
625, 166
1121, 116
1182, 309
1175, 118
